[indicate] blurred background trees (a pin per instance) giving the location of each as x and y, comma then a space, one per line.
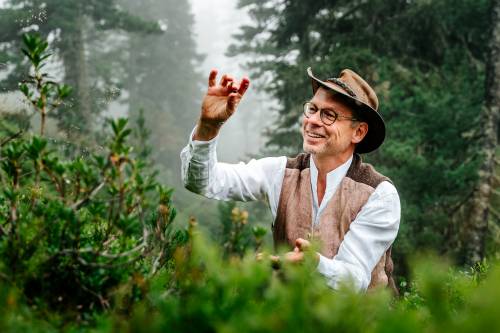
79, 35
163, 78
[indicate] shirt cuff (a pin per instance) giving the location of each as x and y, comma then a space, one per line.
323, 265
338, 275
200, 150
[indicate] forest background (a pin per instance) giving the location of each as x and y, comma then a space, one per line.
433, 63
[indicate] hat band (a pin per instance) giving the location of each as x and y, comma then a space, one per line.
343, 85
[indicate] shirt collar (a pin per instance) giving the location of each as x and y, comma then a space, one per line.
333, 178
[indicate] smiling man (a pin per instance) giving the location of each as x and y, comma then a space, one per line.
326, 193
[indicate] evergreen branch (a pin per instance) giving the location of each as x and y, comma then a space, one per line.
103, 254
10, 138
108, 265
453, 209
494, 213
104, 302
157, 262
59, 188
3, 232
91, 195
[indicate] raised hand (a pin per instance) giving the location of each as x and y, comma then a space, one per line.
219, 103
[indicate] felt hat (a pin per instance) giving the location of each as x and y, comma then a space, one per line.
360, 96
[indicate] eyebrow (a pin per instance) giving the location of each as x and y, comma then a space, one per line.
329, 108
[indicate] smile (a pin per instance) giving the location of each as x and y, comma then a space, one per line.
315, 135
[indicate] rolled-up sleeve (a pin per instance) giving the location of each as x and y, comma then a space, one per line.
370, 235
259, 179
197, 161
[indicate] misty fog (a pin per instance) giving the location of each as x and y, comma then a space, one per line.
215, 22
128, 71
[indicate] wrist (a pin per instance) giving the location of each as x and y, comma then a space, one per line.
206, 131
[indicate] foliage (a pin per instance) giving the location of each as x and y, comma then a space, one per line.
73, 230
207, 294
44, 94
237, 235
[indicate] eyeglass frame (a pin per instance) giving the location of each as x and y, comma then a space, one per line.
322, 114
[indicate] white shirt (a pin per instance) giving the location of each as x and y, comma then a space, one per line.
370, 234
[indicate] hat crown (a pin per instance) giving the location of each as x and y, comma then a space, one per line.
360, 87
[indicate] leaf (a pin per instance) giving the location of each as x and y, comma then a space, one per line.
28, 54
24, 89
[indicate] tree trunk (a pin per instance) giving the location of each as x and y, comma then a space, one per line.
84, 101
75, 118
475, 226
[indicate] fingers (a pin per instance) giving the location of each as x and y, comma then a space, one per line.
302, 244
225, 79
228, 82
294, 257
245, 82
231, 87
212, 77
240, 88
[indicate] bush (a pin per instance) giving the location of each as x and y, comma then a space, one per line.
71, 231
205, 293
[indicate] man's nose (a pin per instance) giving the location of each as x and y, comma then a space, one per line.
315, 119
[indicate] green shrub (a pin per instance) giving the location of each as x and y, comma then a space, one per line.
205, 293
71, 231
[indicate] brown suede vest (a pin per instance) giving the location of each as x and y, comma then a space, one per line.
294, 214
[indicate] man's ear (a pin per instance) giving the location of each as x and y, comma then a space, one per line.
360, 132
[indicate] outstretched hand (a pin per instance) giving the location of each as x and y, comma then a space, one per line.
219, 103
297, 255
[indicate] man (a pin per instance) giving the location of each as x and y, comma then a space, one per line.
325, 194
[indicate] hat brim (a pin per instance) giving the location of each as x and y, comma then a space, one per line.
376, 126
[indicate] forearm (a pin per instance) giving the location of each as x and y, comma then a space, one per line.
203, 174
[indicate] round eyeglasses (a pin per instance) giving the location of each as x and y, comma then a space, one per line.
327, 116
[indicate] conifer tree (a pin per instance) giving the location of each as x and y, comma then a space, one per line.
70, 24
162, 77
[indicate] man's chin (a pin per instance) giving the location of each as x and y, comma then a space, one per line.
310, 149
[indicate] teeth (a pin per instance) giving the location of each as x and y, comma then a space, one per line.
315, 135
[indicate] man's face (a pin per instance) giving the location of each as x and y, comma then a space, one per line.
335, 139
